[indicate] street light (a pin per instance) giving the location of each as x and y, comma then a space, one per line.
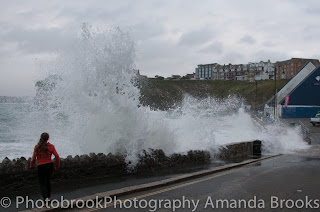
275, 91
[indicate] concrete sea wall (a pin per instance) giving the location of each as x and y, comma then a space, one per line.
15, 174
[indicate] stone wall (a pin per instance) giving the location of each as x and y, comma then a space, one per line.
235, 152
16, 174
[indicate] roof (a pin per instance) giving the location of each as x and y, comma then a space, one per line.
295, 60
294, 83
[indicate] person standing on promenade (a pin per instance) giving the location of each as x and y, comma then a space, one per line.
42, 153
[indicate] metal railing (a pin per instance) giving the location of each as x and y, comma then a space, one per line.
305, 131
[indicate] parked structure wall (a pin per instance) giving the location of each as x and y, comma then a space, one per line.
308, 91
301, 92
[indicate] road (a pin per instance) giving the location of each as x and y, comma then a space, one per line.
293, 179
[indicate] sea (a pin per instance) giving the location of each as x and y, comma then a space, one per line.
88, 101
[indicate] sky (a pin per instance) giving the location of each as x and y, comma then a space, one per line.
171, 36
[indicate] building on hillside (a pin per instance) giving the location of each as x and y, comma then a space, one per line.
190, 76
299, 97
175, 76
253, 71
264, 70
138, 75
205, 71
289, 68
243, 72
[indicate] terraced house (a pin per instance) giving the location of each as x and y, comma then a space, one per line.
252, 71
244, 72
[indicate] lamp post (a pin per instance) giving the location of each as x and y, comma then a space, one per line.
275, 91
256, 93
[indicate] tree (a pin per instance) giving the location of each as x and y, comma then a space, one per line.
185, 77
159, 77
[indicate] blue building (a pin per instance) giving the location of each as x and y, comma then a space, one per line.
300, 97
205, 71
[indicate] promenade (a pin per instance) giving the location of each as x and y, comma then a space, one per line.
283, 182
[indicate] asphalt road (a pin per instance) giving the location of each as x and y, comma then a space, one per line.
293, 180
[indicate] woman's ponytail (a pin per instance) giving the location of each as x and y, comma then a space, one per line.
42, 144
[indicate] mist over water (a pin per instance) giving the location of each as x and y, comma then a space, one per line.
94, 107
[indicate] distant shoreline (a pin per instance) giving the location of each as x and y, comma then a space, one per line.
14, 99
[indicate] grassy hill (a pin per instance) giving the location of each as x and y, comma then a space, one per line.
164, 94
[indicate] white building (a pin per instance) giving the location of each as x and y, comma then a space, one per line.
243, 72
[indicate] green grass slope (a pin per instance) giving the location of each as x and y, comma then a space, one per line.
165, 94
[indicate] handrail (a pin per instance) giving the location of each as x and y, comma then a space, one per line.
305, 130
304, 126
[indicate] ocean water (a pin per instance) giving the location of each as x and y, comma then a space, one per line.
89, 103
14, 141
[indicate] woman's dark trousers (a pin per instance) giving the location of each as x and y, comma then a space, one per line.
44, 174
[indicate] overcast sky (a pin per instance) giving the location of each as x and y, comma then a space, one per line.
172, 36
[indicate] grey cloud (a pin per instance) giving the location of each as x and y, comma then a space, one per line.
264, 55
311, 33
233, 57
148, 29
216, 47
312, 10
196, 37
317, 56
248, 39
161, 50
165, 58
269, 43
37, 41
90, 14
156, 24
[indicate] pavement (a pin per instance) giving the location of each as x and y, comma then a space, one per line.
284, 183
267, 184
86, 187
148, 186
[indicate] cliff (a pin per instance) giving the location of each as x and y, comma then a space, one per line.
165, 94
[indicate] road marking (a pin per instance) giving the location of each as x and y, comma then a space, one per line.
183, 185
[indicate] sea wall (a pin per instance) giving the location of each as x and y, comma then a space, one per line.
236, 152
16, 174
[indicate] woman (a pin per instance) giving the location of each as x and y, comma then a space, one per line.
42, 153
